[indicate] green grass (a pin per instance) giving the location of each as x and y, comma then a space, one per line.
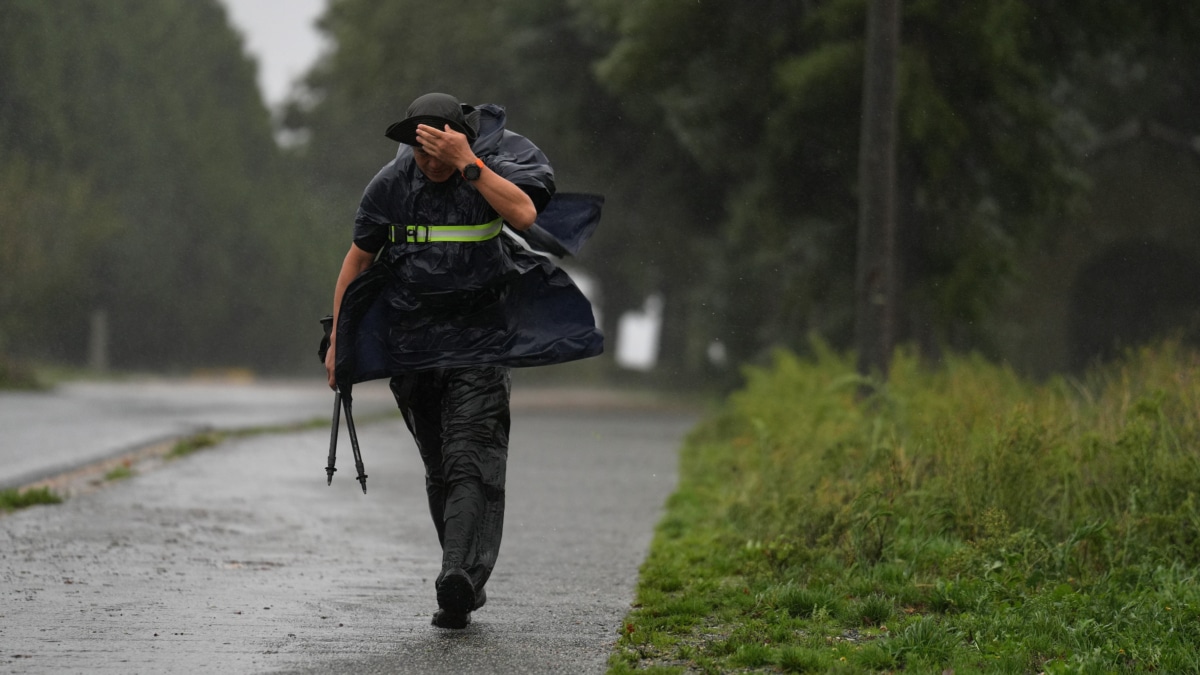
207, 439
196, 442
11, 500
119, 473
959, 518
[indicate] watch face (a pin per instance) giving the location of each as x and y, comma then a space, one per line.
471, 172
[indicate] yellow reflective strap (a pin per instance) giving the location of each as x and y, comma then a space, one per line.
421, 234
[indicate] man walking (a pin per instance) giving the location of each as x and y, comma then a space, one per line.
434, 296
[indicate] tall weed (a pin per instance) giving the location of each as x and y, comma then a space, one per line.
961, 518
1093, 472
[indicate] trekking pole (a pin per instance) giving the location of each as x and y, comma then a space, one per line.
322, 352
358, 463
333, 436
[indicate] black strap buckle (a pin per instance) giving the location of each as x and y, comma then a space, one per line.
413, 234
417, 234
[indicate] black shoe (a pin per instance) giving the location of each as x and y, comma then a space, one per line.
445, 619
455, 592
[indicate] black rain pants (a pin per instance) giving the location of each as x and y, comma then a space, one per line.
459, 419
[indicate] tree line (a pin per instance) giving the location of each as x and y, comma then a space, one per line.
139, 175
726, 138
139, 178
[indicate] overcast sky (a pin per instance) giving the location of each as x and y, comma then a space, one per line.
279, 34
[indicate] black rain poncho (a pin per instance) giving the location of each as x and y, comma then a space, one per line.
446, 304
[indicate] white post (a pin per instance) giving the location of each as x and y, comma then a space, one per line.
98, 342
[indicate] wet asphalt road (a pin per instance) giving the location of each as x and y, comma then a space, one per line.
239, 559
45, 433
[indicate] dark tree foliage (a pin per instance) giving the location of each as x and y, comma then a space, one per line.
725, 137
994, 121
138, 172
978, 152
138, 175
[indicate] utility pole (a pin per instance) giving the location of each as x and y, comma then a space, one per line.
875, 272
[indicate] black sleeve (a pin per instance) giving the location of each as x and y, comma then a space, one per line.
539, 195
372, 220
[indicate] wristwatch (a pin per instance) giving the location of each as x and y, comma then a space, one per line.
472, 171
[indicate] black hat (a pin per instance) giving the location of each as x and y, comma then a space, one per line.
435, 110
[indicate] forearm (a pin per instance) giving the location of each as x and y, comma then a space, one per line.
506, 198
451, 148
355, 263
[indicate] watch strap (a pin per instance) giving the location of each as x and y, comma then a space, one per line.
478, 162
